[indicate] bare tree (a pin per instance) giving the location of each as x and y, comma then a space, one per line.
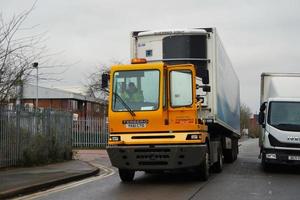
18, 51
245, 114
246, 123
93, 85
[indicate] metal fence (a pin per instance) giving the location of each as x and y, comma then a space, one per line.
90, 133
23, 130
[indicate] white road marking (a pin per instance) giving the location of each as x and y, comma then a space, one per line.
107, 172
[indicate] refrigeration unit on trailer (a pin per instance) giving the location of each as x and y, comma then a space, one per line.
176, 106
279, 117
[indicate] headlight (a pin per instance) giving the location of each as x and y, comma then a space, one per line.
193, 137
271, 155
115, 138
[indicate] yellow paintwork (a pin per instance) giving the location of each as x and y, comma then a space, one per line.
179, 138
179, 119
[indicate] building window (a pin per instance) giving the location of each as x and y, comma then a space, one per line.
74, 105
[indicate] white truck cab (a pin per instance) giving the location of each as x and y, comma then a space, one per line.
280, 119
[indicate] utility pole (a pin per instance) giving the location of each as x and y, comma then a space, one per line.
36, 65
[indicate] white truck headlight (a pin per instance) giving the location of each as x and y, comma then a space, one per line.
271, 155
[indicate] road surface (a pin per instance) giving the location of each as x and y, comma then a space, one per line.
242, 180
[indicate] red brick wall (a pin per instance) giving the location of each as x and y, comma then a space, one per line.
88, 110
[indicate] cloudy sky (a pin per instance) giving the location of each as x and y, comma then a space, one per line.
259, 35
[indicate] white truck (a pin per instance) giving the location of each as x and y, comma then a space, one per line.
203, 48
279, 117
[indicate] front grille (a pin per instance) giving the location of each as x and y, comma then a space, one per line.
283, 152
152, 150
153, 163
276, 143
151, 156
153, 137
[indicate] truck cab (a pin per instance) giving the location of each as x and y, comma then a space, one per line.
153, 120
280, 119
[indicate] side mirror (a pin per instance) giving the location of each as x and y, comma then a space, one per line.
206, 88
205, 76
104, 80
261, 118
263, 107
261, 115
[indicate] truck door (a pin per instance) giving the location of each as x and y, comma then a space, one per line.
182, 100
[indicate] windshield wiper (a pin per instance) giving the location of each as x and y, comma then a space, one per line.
124, 104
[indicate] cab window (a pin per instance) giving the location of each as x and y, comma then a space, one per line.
181, 88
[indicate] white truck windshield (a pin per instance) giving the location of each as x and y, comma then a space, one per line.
284, 115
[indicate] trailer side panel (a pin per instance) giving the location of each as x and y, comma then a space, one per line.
227, 91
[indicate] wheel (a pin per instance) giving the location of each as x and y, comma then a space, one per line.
204, 167
228, 155
218, 166
126, 175
236, 149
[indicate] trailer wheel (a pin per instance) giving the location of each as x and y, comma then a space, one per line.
126, 175
236, 149
204, 167
218, 166
230, 155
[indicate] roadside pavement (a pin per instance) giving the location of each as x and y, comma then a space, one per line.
18, 181
90, 155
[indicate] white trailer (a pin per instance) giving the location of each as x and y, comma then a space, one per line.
203, 48
280, 119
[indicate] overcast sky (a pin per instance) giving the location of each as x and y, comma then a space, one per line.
258, 36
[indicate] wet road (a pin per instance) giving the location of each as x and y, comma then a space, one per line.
241, 180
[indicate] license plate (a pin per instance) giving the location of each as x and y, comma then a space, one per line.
294, 157
141, 125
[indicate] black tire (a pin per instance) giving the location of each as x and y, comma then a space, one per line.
204, 168
218, 166
236, 149
126, 175
228, 155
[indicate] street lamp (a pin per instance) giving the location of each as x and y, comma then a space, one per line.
35, 65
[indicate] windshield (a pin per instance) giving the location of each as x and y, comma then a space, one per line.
139, 89
285, 115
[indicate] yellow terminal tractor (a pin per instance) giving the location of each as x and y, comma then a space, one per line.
163, 111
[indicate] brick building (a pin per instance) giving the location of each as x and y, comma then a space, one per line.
81, 105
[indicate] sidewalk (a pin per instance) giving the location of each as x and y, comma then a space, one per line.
91, 155
25, 180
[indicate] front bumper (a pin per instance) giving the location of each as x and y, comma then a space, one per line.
157, 157
282, 156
